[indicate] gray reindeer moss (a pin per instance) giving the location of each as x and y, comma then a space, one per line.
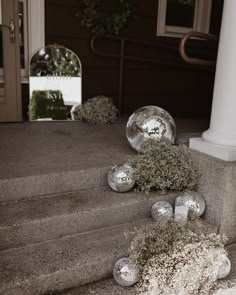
164, 167
175, 258
99, 110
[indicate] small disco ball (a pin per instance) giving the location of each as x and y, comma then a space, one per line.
193, 201
74, 112
121, 178
224, 265
150, 122
161, 209
125, 272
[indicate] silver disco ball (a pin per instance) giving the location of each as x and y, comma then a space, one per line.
125, 272
224, 265
74, 112
121, 178
193, 201
150, 122
161, 209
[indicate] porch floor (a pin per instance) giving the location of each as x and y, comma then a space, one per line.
44, 147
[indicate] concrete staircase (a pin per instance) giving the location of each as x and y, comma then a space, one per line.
61, 227
54, 242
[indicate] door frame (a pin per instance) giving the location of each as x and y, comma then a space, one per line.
11, 104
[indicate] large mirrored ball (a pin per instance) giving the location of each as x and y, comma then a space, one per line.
194, 202
150, 122
161, 210
125, 273
121, 178
224, 265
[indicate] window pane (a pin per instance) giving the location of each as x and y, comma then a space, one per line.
180, 13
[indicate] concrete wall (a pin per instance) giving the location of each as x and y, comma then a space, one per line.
218, 187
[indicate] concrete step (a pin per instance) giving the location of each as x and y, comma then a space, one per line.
105, 287
232, 256
64, 263
35, 220
48, 158
43, 158
110, 287
17, 188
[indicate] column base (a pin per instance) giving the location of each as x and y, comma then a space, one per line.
221, 152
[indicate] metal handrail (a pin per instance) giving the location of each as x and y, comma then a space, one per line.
122, 57
133, 58
192, 60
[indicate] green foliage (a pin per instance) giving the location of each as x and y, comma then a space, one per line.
98, 110
176, 258
165, 167
101, 22
47, 104
55, 61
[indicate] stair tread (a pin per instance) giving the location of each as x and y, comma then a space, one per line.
43, 158
22, 211
42, 148
110, 287
105, 287
35, 220
30, 262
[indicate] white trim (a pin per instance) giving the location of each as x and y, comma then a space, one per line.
202, 16
36, 25
161, 17
0, 12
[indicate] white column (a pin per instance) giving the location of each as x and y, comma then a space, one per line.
220, 139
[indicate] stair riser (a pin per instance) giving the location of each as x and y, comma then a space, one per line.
64, 225
55, 183
74, 277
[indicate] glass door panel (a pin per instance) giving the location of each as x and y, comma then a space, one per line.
10, 81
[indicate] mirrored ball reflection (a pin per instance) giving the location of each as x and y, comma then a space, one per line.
194, 201
161, 209
121, 178
125, 272
224, 266
150, 122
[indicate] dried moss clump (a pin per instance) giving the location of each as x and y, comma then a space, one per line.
165, 167
99, 110
175, 258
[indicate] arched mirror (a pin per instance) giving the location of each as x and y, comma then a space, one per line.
55, 83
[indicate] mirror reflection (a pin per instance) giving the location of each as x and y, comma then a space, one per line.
55, 83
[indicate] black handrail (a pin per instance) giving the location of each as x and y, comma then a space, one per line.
122, 57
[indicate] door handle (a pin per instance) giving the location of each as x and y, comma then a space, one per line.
11, 28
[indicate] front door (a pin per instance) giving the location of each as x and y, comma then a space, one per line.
10, 83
